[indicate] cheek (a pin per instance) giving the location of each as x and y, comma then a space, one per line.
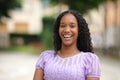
76, 31
60, 30
77, 34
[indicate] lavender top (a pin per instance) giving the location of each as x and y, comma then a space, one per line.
77, 67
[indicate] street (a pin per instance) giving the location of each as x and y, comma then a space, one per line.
20, 66
110, 68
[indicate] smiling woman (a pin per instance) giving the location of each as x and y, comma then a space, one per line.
72, 57
68, 30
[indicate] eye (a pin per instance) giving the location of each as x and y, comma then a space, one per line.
72, 25
62, 25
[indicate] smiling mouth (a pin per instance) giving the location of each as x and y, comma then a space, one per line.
67, 36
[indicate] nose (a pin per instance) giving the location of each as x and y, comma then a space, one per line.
67, 29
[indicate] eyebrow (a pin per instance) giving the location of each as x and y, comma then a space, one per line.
70, 23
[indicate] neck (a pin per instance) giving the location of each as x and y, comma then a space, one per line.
69, 50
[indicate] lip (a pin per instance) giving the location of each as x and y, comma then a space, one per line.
67, 37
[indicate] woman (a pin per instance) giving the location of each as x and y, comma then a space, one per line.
73, 57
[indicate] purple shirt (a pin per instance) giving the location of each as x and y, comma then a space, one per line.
77, 67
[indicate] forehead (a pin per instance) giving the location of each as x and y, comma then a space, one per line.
69, 18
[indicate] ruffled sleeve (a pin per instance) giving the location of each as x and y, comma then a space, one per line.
43, 58
92, 65
40, 61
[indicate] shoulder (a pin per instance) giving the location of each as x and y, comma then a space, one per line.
89, 54
47, 53
44, 57
90, 57
91, 64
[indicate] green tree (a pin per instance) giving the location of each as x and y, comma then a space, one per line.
7, 5
47, 33
82, 6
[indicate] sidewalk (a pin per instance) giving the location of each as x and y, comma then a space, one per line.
16, 66
110, 68
20, 66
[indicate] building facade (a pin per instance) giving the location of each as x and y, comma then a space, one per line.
27, 20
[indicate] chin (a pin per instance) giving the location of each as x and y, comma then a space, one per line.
67, 44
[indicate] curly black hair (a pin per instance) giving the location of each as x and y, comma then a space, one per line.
84, 40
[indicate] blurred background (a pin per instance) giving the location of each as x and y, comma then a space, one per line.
26, 29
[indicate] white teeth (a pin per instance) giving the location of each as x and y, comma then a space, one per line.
67, 36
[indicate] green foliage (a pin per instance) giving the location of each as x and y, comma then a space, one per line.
82, 6
7, 5
47, 38
48, 22
27, 49
47, 33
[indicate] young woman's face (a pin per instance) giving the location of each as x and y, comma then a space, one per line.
68, 30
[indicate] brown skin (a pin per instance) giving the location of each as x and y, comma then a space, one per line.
38, 75
92, 78
68, 31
